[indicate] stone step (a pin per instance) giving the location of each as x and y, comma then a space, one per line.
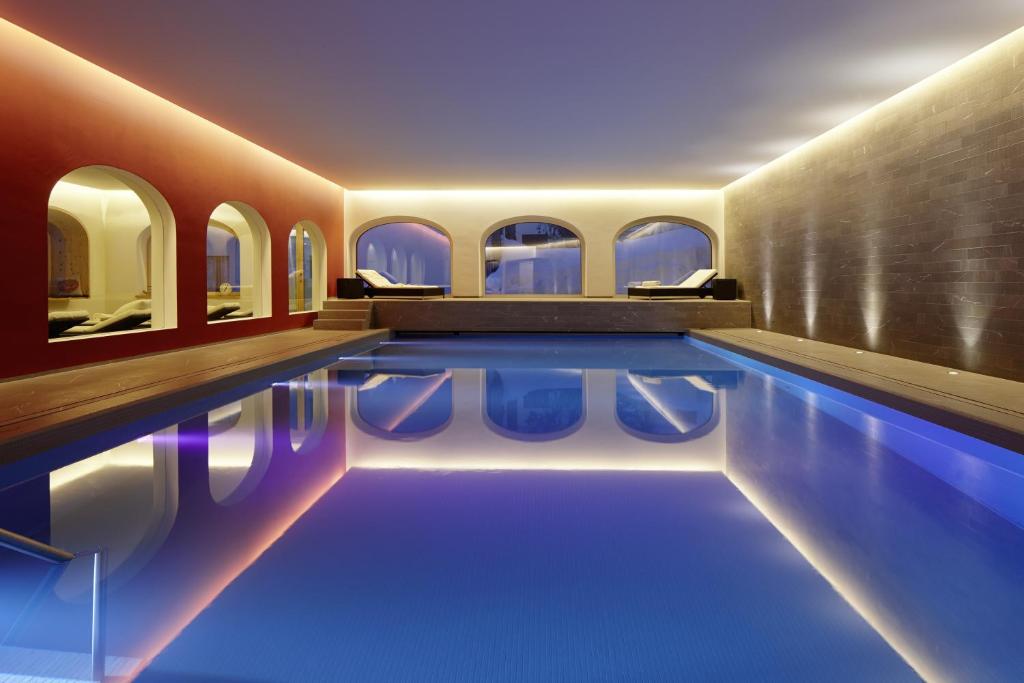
321, 324
344, 314
347, 304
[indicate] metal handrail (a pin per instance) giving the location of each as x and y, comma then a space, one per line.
34, 548
48, 553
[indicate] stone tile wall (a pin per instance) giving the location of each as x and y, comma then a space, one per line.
903, 230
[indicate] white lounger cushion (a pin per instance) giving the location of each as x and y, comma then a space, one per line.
68, 315
699, 278
378, 281
374, 278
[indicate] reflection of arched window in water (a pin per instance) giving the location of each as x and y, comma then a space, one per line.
405, 404
662, 406
240, 445
534, 404
307, 409
124, 500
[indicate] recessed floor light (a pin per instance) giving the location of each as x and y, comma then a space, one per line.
858, 352
799, 339
953, 372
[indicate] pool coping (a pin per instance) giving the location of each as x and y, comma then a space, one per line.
35, 418
981, 406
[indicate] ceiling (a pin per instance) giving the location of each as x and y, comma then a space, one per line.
523, 93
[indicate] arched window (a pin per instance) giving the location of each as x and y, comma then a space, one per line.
110, 255
408, 252
533, 258
307, 268
663, 251
237, 264
534, 404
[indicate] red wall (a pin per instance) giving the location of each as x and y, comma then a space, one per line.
58, 113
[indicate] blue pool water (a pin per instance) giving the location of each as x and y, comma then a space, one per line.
522, 509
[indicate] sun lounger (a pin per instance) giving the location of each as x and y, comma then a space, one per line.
381, 286
218, 311
116, 323
61, 321
694, 285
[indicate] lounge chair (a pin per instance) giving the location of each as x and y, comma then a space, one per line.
218, 311
381, 286
64, 320
693, 285
127, 320
240, 313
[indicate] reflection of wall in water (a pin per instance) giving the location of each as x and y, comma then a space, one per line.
241, 442
877, 526
124, 499
597, 441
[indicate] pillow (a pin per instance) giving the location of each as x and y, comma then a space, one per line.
389, 277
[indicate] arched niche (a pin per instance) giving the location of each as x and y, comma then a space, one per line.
110, 255
533, 257
307, 268
240, 443
410, 250
665, 249
237, 264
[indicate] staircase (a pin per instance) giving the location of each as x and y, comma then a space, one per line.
345, 314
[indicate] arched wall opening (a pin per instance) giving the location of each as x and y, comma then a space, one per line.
111, 263
307, 268
411, 251
531, 257
237, 264
663, 249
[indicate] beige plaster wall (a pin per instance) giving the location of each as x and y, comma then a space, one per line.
597, 216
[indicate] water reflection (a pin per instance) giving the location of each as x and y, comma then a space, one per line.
240, 445
404, 404
534, 404
663, 406
307, 398
920, 531
178, 514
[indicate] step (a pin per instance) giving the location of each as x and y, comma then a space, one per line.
344, 314
339, 325
347, 304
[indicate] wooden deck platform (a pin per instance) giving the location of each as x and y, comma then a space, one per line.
53, 409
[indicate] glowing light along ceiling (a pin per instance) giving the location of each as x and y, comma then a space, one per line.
407, 94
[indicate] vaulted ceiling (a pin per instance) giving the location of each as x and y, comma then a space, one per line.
523, 93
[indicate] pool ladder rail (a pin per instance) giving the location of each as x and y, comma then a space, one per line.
61, 558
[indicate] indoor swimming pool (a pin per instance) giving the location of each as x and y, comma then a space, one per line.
520, 508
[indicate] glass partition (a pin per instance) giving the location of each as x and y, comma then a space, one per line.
662, 251
533, 258
409, 253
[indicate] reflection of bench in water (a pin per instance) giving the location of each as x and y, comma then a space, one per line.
407, 393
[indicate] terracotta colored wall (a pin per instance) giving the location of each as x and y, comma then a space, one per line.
58, 113
903, 230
